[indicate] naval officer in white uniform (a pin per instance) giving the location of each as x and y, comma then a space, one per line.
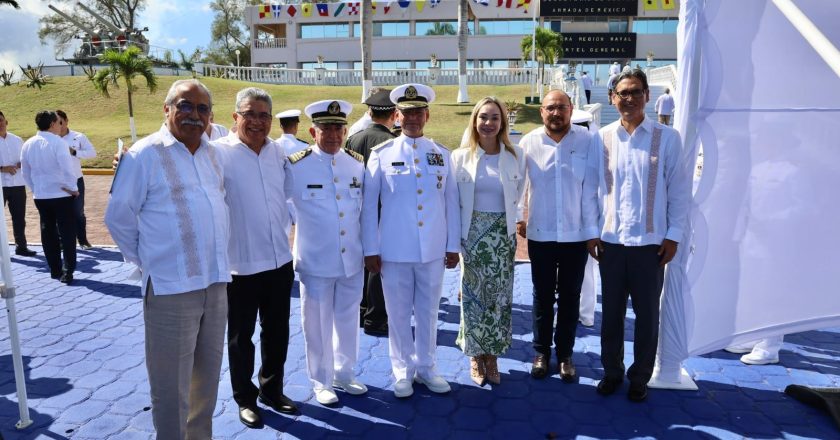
417, 234
289, 122
324, 182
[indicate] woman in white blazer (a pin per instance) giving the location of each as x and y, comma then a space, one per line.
491, 177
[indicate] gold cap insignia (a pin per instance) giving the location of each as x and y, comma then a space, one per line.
410, 92
334, 108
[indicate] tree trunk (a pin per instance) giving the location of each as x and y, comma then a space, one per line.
131, 113
463, 34
366, 20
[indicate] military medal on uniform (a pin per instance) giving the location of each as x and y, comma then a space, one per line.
434, 159
440, 182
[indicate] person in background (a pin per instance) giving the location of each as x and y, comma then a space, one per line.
215, 131
48, 170
289, 122
80, 148
665, 107
587, 86
490, 172
761, 352
14, 187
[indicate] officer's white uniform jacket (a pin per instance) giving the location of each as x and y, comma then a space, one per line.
326, 191
291, 144
420, 217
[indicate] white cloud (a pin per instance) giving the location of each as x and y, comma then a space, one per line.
20, 43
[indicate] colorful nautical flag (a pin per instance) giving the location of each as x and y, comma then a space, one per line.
338, 9
404, 3
323, 9
419, 5
291, 10
483, 2
668, 4
505, 3
387, 7
372, 7
306, 9
265, 11
651, 5
523, 4
353, 8
276, 10
434, 3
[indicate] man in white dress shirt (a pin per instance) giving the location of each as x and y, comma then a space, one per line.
47, 169
14, 187
639, 203
260, 258
665, 107
80, 148
168, 216
416, 235
556, 156
325, 183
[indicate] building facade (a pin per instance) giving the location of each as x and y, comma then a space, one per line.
410, 34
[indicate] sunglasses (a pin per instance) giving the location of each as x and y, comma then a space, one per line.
186, 107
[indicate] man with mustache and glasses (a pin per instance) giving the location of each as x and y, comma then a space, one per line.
260, 259
639, 203
556, 156
168, 216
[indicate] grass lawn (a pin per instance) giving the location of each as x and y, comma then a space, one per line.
104, 120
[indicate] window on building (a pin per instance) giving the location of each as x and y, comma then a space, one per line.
338, 30
505, 27
385, 29
310, 66
655, 26
384, 65
440, 28
618, 25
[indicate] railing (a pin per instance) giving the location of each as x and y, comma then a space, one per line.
352, 77
270, 43
665, 76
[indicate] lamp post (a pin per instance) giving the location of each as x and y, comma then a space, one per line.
237, 57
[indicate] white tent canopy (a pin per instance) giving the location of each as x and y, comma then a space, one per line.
758, 88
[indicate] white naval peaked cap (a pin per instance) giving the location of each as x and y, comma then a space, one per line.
580, 116
329, 111
412, 96
288, 114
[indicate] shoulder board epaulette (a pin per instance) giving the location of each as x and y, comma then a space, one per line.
354, 155
301, 140
295, 157
389, 141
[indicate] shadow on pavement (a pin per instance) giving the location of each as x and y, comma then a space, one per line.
36, 389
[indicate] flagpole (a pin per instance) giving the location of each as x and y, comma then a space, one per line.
535, 6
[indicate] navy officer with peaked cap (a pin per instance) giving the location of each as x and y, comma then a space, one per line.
324, 182
414, 238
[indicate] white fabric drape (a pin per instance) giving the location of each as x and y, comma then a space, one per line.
764, 246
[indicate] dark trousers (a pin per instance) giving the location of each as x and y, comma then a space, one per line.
634, 272
588, 95
79, 211
557, 273
372, 306
269, 294
57, 218
15, 197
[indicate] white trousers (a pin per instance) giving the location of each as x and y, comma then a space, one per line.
330, 319
412, 288
769, 347
589, 290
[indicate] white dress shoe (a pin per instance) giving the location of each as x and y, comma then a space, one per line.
740, 348
435, 384
403, 388
352, 386
325, 396
759, 357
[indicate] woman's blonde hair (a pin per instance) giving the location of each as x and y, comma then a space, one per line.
470, 138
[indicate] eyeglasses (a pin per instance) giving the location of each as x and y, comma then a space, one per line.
635, 93
252, 116
555, 108
187, 108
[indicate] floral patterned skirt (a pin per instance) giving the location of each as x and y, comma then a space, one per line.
486, 286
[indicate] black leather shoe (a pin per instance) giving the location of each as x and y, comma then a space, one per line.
539, 369
280, 404
638, 392
567, 370
25, 252
250, 417
376, 330
608, 386
85, 245
66, 278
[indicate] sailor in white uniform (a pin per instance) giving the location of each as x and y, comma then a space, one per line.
325, 183
417, 234
289, 121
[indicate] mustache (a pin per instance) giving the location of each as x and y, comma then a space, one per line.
195, 122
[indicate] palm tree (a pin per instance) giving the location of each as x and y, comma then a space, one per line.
463, 34
549, 47
11, 3
127, 64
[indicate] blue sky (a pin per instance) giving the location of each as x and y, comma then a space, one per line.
173, 24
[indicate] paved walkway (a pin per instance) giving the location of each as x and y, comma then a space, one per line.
85, 372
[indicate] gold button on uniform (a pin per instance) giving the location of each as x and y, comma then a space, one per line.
418, 174
419, 207
414, 146
419, 191
333, 162
420, 223
416, 160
